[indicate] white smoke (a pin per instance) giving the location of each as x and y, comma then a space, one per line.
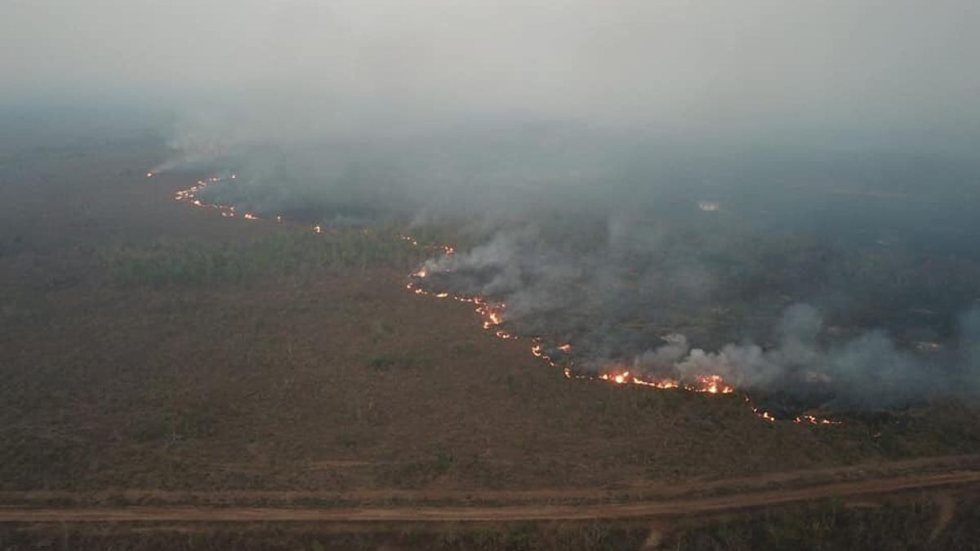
548, 293
867, 371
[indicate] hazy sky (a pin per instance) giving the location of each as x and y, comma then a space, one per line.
878, 67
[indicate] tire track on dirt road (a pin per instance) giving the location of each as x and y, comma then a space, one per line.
671, 507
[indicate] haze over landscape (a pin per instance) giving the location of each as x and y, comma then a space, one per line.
774, 200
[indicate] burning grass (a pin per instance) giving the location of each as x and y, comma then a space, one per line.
493, 315
234, 354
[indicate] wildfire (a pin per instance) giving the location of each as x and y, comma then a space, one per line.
189, 195
492, 316
710, 384
714, 384
814, 420
618, 378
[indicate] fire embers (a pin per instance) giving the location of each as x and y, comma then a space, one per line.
493, 316
554, 356
711, 384
491, 313
191, 196
426, 281
814, 420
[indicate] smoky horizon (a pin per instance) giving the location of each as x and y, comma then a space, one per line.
782, 194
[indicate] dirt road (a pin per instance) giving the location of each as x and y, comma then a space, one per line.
669, 507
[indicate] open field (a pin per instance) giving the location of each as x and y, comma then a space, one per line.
153, 354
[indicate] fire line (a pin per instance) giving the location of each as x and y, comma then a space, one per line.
492, 317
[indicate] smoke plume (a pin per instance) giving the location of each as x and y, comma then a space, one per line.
781, 194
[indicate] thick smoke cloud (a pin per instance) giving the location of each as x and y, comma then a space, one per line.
783, 191
867, 371
624, 305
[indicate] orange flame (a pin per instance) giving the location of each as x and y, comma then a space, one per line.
492, 315
814, 420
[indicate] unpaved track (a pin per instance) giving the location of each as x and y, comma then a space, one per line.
645, 509
635, 491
